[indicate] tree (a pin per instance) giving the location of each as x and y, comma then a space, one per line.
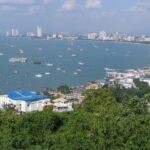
64, 89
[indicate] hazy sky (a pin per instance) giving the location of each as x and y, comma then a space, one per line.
76, 16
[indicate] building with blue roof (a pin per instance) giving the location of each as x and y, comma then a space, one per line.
25, 101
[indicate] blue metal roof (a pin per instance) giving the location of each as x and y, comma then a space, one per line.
26, 95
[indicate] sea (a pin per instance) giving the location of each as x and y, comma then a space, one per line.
52, 63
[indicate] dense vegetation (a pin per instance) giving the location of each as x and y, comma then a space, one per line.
108, 119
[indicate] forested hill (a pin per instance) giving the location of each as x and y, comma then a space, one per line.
108, 119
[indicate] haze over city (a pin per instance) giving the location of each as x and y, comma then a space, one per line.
76, 16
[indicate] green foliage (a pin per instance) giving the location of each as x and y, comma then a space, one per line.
64, 89
106, 120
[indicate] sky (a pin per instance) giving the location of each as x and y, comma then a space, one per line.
76, 16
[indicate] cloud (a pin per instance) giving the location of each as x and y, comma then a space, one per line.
23, 7
47, 1
69, 5
93, 3
141, 6
16, 2
24, 2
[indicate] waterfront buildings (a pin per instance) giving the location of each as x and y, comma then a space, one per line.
126, 78
12, 33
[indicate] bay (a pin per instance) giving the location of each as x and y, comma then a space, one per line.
70, 62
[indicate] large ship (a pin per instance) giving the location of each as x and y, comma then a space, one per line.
18, 59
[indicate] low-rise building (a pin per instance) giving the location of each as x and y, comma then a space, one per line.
126, 83
62, 105
24, 101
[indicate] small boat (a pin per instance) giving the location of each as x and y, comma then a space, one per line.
47, 73
16, 71
79, 70
49, 65
75, 73
38, 75
108, 69
1, 54
95, 46
12, 46
73, 55
80, 63
21, 51
60, 56
37, 62
40, 49
69, 49
64, 71
58, 69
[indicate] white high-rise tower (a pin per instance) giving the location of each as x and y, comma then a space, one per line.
39, 31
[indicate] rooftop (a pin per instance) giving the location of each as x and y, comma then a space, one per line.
26, 96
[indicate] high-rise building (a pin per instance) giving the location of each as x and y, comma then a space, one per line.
102, 35
39, 31
92, 36
14, 32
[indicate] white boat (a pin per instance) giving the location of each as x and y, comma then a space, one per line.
58, 69
75, 73
49, 65
80, 63
95, 46
79, 70
40, 48
73, 55
21, 51
60, 56
11, 46
81, 49
69, 49
64, 71
38, 75
47, 73
108, 69
1, 54
16, 71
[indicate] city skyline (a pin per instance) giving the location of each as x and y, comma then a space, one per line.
76, 16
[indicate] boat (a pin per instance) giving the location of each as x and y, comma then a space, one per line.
60, 56
95, 46
80, 63
58, 69
108, 69
47, 73
37, 62
40, 48
38, 75
69, 49
75, 73
73, 55
18, 59
16, 71
79, 70
64, 71
49, 65
12, 46
21, 51
1, 54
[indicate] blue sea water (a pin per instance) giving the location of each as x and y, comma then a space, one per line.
95, 56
